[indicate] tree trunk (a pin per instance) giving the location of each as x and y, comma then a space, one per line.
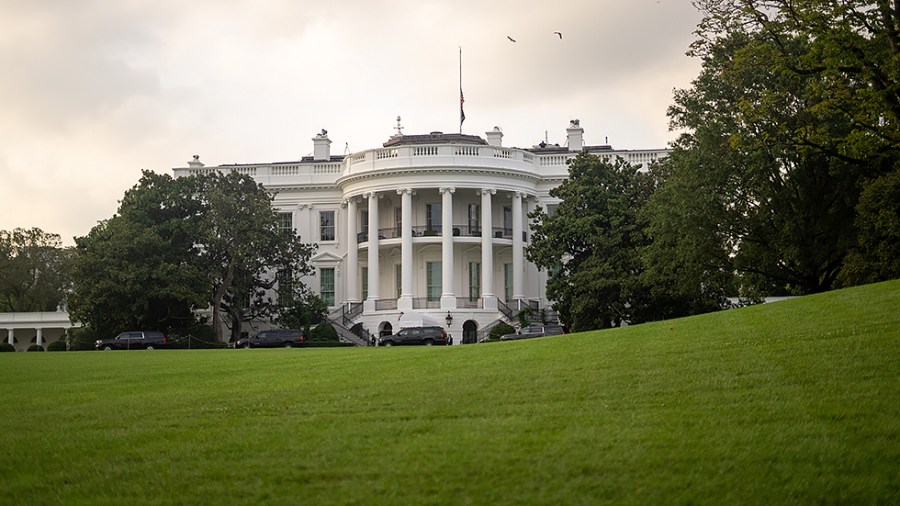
217, 300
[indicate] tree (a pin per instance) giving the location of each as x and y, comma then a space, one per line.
179, 245
766, 179
592, 245
140, 269
852, 52
299, 307
877, 256
813, 101
33, 270
246, 251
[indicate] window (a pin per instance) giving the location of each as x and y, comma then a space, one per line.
433, 217
474, 218
507, 281
551, 209
363, 226
326, 225
285, 287
474, 281
286, 223
398, 222
507, 221
326, 285
433, 281
365, 283
398, 275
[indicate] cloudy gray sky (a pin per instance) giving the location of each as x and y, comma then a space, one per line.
94, 91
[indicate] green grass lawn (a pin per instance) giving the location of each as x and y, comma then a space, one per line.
792, 402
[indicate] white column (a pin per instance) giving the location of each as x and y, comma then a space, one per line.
40, 337
373, 253
405, 302
518, 288
11, 336
352, 252
487, 251
448, 295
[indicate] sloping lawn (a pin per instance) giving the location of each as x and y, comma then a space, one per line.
791, 402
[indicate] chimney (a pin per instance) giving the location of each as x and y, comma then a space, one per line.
495, 137
195, 163
322, 146
575, 135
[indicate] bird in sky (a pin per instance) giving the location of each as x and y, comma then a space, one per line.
510, 38
560, 35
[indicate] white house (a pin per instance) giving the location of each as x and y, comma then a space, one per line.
436, 224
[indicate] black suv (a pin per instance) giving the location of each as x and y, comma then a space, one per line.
427, 336
133, 340
278, 338
535, 331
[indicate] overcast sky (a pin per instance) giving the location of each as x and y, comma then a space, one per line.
94, 91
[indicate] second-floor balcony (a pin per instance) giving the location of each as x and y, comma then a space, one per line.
437, 232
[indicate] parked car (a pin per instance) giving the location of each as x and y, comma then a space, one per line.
276, 338
133, 340
426, 336
535, 331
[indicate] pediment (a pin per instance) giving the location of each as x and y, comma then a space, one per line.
324, 258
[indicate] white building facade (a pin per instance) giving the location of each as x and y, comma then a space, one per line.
434, 224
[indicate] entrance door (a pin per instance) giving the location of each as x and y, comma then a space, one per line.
470, 332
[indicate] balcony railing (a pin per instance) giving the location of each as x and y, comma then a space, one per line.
385, 304
426, 303
437, 231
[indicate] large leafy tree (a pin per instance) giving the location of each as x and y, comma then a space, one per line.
814, 98
777, 148
181, 244
246, 251
33, 267
592, 247
140, 269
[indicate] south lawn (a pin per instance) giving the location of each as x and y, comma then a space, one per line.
791, 402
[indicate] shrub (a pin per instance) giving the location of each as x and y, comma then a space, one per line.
4, 346
35, 347
57, 346
199, 336
323, 332
326, 344
524, 316
500, 329
83, 338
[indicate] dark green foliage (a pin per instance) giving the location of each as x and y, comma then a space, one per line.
33, 270
877, 255
593, 245
83, 338
766, 180
795, 113
242, 245
141, 269
524, 316
323, 332
57, 346
6, 347
327, 344
500, 329
177, 245
300, 308
35, 347
200, 336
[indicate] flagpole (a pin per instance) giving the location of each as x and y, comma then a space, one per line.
462, 115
